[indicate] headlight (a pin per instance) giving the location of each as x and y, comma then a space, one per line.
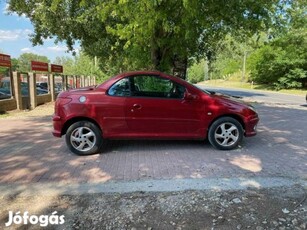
252, 108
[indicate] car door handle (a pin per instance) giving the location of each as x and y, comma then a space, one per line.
136, 106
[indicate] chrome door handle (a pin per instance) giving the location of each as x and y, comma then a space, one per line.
137, 106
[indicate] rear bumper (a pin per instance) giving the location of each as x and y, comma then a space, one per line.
251, 126
57, 126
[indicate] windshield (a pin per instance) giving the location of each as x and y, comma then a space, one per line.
202, 89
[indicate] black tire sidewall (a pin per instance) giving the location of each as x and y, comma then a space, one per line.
94, 128
215, 125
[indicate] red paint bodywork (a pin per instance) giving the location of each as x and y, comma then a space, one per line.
145, 117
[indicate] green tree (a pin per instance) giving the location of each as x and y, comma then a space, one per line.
68, 64
24, 61
196, 72
283, 62
228, 59
15, 65
81, 64
157, 34
231, 56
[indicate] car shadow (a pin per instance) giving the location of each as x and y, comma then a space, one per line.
114, 146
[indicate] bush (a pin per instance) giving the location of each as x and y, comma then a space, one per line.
196, 72
282, 63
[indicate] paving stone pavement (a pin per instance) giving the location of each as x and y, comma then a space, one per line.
29, 154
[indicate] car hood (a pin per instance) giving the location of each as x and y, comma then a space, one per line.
229, 99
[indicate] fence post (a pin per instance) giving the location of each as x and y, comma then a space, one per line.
64, 82
82, 81
32, 90
88, 80
74, 80
52, 88
17, 90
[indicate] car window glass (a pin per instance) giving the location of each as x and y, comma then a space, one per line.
154, 86
120, 88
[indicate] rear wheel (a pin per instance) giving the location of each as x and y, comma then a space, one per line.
225, 133
84, 138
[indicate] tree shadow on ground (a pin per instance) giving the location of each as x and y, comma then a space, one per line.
29, 153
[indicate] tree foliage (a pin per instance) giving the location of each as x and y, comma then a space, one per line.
283, 62
276, 57
81, 64
196, 72
229, 56
24, 61
157, 34
68, 64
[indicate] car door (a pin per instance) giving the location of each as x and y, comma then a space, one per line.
157, 108
112, 109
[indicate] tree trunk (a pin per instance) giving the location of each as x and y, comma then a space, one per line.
180, 66
156, 58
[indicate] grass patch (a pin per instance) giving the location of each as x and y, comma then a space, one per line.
4, 114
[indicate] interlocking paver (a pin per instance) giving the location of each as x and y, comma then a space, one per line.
29, 154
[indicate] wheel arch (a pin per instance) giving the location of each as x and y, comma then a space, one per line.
76, 119
234, 116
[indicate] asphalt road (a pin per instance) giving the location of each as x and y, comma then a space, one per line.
261, 96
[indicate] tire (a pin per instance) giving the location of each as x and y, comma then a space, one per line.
225, 133
84, 138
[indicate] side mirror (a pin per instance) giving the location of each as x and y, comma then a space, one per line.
188, 96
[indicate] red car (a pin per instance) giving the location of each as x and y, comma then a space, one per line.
150, 105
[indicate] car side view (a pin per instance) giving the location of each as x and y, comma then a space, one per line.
151, 105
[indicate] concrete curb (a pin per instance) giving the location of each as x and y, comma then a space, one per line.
172, 185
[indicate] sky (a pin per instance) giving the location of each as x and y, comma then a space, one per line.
14, 37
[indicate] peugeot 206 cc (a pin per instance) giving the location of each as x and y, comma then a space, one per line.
150, 105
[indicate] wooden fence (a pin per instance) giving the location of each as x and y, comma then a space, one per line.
23, 91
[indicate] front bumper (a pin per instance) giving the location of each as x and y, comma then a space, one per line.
251, 126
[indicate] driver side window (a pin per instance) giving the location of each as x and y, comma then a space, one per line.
120, 88
155, 86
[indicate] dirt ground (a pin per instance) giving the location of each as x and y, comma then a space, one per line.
42, 110
275, 208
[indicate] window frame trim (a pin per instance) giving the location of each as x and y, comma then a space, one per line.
148, 97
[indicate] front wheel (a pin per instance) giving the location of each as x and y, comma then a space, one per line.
84, 138
225, 133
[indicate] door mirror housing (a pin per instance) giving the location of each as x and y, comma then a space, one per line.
188, 96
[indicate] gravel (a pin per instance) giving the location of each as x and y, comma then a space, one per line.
189, 209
